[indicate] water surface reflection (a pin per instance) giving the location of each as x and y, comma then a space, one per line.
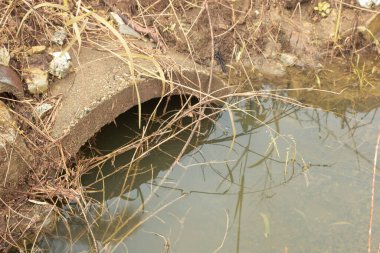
294, 180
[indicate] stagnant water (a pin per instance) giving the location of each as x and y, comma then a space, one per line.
294, 180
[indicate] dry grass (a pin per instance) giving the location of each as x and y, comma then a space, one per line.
239, 35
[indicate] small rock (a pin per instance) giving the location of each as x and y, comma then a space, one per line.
36, 76
368, 3
36, 79
59, 36
60, 65
43, 108
123, 28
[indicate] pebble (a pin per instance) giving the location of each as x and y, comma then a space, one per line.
59, 36
60, 65
368, 3
36, 75
42, 109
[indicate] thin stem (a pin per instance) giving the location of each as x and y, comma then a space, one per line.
373, 194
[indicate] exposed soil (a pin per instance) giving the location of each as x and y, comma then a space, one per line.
237, 42
259, 28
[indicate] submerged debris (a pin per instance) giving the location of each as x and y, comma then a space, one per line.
60, 65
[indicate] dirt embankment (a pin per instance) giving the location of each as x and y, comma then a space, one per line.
240, 41
256, 32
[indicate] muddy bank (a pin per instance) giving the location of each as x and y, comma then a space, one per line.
256, 33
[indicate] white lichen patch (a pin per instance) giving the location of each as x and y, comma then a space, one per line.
60, 65
368, 3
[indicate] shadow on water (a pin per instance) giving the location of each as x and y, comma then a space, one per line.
136, 165
114, 183
279, 179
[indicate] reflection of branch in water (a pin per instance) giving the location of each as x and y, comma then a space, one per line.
116, 169
301, 168
74, 237
266, 116
182, 191
241, 163
351, 129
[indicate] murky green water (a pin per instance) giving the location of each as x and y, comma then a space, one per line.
295, 180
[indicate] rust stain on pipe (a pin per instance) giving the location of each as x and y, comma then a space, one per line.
10, 82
